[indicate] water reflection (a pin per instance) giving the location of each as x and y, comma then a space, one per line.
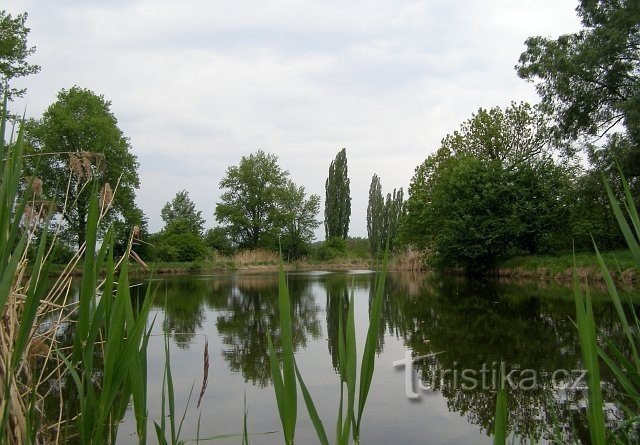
479, 325
472, 325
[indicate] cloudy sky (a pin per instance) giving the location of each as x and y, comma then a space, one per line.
196, 84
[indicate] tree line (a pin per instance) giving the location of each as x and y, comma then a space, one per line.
521, 179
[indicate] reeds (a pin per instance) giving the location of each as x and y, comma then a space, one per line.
622, 360
285, 382
104, 366
255, 257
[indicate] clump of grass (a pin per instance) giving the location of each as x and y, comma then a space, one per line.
285, 382
410, 259
622, 360
255, 257
624, 366
106, 362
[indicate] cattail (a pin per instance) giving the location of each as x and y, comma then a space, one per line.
106, 195
76, 166
86, 163
29, 216
36, 186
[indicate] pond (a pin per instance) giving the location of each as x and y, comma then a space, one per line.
440, 348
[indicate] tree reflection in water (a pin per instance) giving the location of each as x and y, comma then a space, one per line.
474, 323
482, 323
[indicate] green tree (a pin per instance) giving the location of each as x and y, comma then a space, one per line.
513, 136
79, 140
337, 205
484, 195
589, 79
14, 52
180, 215
299, 220
393, 211
249, 208
218, 240
261, 207
375, 216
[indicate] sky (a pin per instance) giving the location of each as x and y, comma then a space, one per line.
197, 84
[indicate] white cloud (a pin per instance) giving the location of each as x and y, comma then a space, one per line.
196, 84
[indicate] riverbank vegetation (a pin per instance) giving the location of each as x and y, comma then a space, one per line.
510, 182
518, 182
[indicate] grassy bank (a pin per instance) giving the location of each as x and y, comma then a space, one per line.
258, 261
561, 267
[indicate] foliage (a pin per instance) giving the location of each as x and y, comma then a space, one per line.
14, 51
261, 207
76, 139
179, 215
337, 204
383, 218
393, 214
299, 220
590, 214
622, 359
103, 367
375, 215
217, 239
249, 205
176, 247
486, 193
285, 382
513, 136
589, 79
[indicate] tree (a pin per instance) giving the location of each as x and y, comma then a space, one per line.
589, 79
180, 215
375, 216
261, 207
513, 136
299, 220
383, 217
337, 205
484, 194
14, 51
249, 205
218, 240
78, 140
393, 211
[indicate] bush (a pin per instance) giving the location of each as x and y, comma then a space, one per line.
177, 247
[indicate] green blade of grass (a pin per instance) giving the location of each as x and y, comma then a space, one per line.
311, 408
369, 354
501, 424
631, 240
278, 385
588, 346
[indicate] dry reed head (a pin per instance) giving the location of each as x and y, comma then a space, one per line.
86, 164
106, 196
76, 166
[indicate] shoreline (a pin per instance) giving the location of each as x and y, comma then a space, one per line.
544, 269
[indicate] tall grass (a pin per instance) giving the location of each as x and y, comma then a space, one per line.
105, 365
255, 257
285, 381
622, 360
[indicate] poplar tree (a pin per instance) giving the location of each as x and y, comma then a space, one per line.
393, 208
375, 215
337, 206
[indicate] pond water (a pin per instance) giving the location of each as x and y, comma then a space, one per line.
461, 331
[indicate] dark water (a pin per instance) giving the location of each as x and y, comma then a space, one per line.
472, 327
